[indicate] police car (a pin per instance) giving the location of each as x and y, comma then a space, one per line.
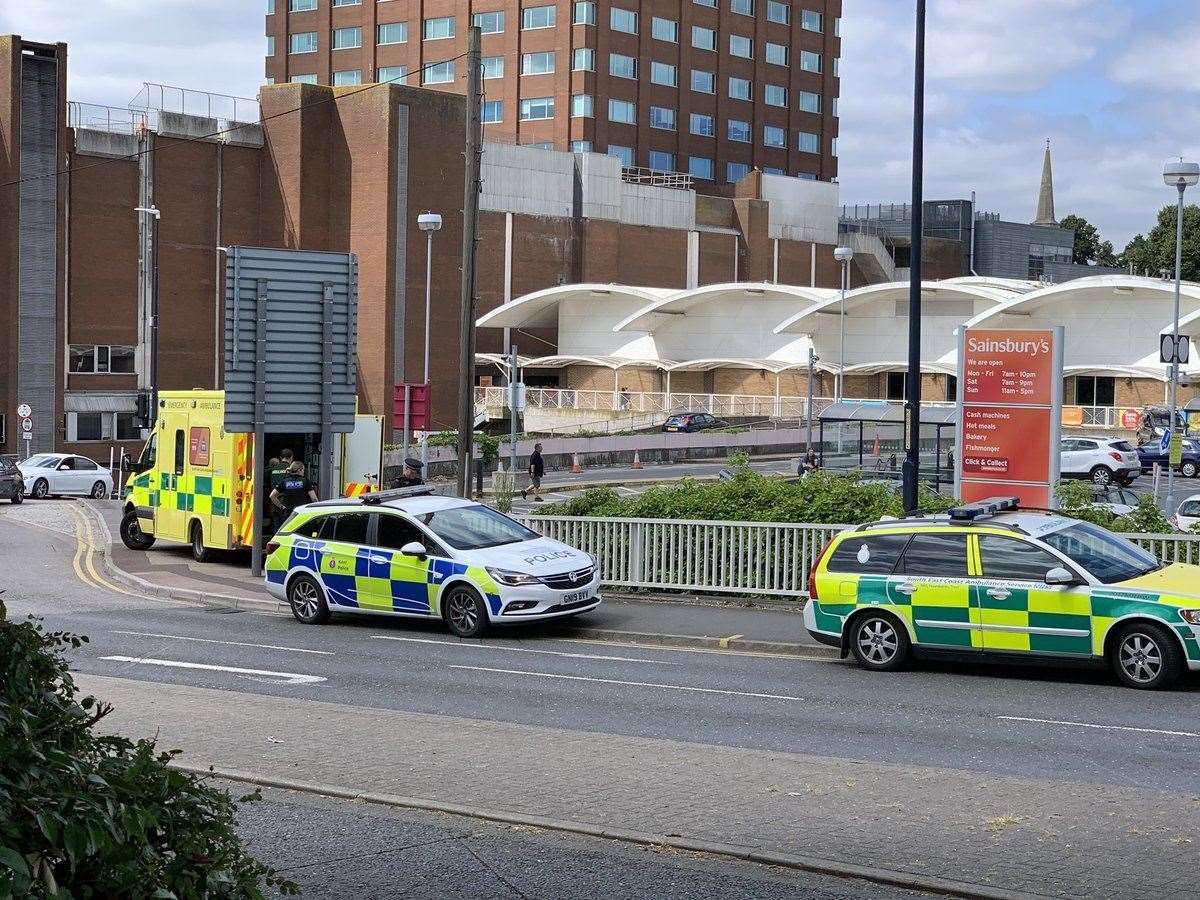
989, 580
408, 552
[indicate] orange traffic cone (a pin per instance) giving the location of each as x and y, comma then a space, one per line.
876, 451
576, 468
637, 461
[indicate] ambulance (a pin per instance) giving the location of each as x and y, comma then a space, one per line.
195, 483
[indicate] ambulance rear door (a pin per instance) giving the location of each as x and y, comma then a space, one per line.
362, 456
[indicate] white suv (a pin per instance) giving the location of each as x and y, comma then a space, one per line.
1103, 460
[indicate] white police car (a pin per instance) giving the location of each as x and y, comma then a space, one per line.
409, 553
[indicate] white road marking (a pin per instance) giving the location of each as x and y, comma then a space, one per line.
760, 654
1094, 725
180, 637
503, 648
287, 677
647, 684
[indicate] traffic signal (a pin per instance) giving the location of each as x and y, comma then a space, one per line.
143, 410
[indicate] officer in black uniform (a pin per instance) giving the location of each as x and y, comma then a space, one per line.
410, 476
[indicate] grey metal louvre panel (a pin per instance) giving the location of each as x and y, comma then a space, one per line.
295, 329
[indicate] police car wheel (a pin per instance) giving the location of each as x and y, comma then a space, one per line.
465, 612
132, 535
306, 600
879, 643
1144, 655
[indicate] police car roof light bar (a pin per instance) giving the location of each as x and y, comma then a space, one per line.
984, 509
374, 498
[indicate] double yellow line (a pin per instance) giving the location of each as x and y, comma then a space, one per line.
84, 562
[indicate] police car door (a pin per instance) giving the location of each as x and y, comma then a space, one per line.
344, 556
1019, 611
399, 582
933, 574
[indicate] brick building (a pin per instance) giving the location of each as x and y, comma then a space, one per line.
713, 88
328, 168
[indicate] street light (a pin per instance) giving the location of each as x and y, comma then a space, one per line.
1180, 175
429, 222
842, 255
152, 374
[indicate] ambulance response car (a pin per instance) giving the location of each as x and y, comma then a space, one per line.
197, 484
406, 552
992, 581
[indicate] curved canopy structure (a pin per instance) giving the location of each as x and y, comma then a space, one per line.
541, 308
931, 291
664, 311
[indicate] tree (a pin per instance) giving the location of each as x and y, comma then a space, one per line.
1154, 253
1089, 249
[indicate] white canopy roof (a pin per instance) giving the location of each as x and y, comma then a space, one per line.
540, 309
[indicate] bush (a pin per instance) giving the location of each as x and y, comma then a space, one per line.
1075, 499
486, 445
85, 815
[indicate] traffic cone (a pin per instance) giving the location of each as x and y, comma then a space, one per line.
876, 451
576, 468
637, 461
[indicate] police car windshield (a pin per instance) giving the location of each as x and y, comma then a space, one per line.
1110, 558
475, 527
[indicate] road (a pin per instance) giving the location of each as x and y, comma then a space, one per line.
1024, 735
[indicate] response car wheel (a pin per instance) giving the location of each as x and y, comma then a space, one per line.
200, 553
99, 491
307, 601
465, 612
1101, 475
879, 643
1144, 655
1189, 470
132, 535
41, 489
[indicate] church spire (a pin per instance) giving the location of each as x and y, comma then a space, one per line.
1045, 208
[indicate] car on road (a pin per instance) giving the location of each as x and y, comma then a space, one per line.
1102, 460
1187, 516
991, 581
1117, 500
693, 421
12, 483
1151, 453
408, 552
64, 474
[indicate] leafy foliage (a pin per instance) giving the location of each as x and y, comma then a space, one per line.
486, 445
1089, 249
86, 815
1154, 253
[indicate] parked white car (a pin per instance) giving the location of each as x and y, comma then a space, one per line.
64, 474
1102, 460
1188, 514
1117, 500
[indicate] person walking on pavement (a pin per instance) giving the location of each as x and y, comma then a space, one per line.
410, 475
537, 468
295, 490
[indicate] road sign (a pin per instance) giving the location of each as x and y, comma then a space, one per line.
24, 411
1171, 350
27, 425
1131, 419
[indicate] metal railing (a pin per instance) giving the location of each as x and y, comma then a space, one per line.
750, 558
656, 178
169, 98
97, 117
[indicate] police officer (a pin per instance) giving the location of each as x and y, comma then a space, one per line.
410, 476
293, 491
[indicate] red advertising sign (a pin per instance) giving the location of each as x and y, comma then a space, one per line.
419, 401
1131, 420
1010, 414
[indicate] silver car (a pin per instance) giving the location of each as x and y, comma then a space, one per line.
66, 475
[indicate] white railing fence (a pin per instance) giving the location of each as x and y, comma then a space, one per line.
748, 558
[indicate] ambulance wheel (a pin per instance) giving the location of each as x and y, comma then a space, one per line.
1145, 655
465, 611
879, 642
200, 553
307, 602
132, 535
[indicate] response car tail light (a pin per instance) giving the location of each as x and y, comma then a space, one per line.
812, 574
272, 546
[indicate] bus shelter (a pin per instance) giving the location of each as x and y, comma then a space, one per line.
867, 436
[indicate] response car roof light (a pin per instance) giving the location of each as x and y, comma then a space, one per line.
374, 498
984, 509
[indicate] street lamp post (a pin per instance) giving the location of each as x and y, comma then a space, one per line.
428, 222
808, 407
1180, 175
912, 400
842, 255
152, 368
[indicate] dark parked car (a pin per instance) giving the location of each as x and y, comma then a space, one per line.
12, 485
1152, 452
693, 422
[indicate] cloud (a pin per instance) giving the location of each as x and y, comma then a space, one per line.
1163, 61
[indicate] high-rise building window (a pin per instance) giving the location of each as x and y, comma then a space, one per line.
439, 28
534, 108
837, 64
622, 66
302, 42
347, 77
664, 29
538, 17
777, 54
704, 82
582, 106
303, 79
775, 95
700, 167
742, 7
663, 117
624, 154
623, 20
540, 63
585, 13
809, 61
581, 146
664, 74
270, 7
347, 38
773, 170
810, 20
623, 111
774, 136
491, 66
740, 45
834, 107
712, 3
740, 89
702, 125
492, 111
439, 73
392, 33
810, 102
583, 60
270, 45
809, 142
738, 130
704, 38
736, 171
397, 74
662, 161
490, 22
301, 5
778, 12
347, 2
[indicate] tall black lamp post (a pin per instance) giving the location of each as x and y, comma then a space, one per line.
912, 401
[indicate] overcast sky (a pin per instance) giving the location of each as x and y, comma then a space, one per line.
1112, 83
